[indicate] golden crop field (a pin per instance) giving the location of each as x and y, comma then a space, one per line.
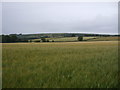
60, 65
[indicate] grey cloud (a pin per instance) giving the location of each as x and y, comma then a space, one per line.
59, 17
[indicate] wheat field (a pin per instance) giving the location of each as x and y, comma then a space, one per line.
60, 65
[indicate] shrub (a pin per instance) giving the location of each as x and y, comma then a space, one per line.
43, 39
80, 38
47, 40
37, 41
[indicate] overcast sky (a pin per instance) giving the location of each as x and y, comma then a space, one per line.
61, 17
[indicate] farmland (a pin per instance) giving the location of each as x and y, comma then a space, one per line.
75, 39
91, 64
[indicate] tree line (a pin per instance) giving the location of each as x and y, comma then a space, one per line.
11, 39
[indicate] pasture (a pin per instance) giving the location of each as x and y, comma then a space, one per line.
60, 65
75, 39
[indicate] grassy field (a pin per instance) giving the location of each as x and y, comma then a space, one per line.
74, 39
66, 39
69, 39
105, 39
60, 65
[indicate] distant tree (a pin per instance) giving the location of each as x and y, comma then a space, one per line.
3, 38
13, 38
52, 40
6, 39
9, 38
20, 34
43, 39
47, 40
37, 41
80, 38
73, 35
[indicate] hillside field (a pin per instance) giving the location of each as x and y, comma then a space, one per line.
75, 39
65, 39
60, 65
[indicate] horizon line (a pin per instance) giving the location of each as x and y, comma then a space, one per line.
63, 32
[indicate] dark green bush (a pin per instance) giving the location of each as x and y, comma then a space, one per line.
80, 38
43, 39
47, 40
